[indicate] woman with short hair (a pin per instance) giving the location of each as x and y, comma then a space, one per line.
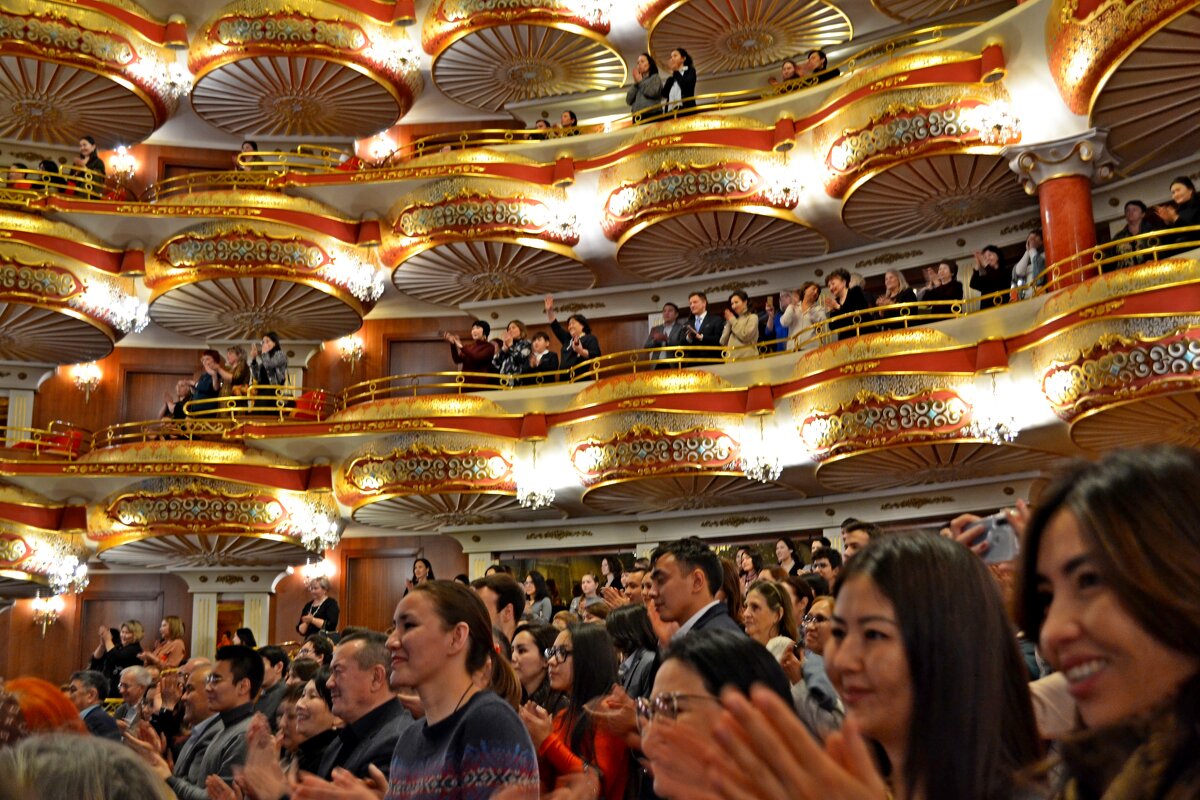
111, 657
321, 613
476, 355
741, 327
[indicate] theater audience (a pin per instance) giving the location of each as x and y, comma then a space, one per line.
1138, 220
86, 692
896, 291
169, 650
204, 724
52, 181
578, 343
541, 129
111, 657
767, 618
741, 327
828, 564
804, 315
61, 766
844, 304
856, 535
568, 123
946, 288
244, 636
275, 667
816, 62
235, 372
704, 329
512, 357
476, 356
772, 334
422, 572
1183, 194
268, 361
667, 337
305, 665
537, 596
246, 163
44, 707
541, 359
611, 570
1029, 270
644, 96
749, 563
174, 406
470, 741
582, 666
321, 613
505, 601
530, 663
637, 648
788, 73
788, 557
590, 593
88, 158
991, 275
679, 90
683, 584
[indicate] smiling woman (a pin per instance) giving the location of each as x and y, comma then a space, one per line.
1112, 561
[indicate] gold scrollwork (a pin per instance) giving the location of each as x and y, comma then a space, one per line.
859, 369
13, 549
558, 534
1102, 310
916, 502
735, 521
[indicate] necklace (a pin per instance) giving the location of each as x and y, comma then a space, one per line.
470, 686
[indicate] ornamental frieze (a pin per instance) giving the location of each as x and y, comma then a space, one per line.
193, 504
58, 35
645, 451
13, 549
289, 30
40, 280
1120, 368
422, 468
874, 420
192, 251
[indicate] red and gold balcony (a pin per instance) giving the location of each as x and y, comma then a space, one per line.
105, 69
61, 300
318, 69
732, 35
234, 280
35, 536
676, 211
488, 54
469, 239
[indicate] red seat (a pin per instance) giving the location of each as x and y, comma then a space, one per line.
310, 405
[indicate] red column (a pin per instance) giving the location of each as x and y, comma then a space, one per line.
1067, 227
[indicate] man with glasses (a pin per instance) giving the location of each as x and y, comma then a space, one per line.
317, 647
86, 690
132, 688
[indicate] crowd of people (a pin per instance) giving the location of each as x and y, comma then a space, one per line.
265, 365
904, 665
84, 177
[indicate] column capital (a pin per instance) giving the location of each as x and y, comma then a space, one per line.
1084, 154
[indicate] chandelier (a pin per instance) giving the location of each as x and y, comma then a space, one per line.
533, 490
67, 574
992, 418
315, 522
759, 460
996, 124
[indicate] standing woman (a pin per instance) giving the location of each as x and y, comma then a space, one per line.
268, 363
422, 572
679, 90
583, 666
208, 385
578, 343
804, 318
646, 92
896, 291
591, 593
768, 619
788, 558
321, 613
612, 569
235, 373
513, 356
112, 657
537, 596
470, 743
1112, 588
1183, 192
169, 650
741, 326
530, 644
476, 355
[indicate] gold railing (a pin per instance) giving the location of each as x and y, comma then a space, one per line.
166, 429
1120, 253
76, 183
261, 401
207, 182
59, 439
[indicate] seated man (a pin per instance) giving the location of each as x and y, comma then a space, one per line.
86, 692
133, 685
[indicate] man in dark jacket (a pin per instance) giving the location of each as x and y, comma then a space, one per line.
684, 582
86, 692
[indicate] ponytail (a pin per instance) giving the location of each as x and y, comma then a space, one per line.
503, 681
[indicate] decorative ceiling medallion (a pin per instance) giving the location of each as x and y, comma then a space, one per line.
714, 241
1085, 41
1151, 103
915, 10
90, 72
920, 464
462, 272
683, 493
1160, 419
269, 69
16, 585
934, 193
732, 35
182, 550
430, 512
490, 67
41, 336
234, 280
449, 20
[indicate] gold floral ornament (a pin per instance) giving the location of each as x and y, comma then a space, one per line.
874, 420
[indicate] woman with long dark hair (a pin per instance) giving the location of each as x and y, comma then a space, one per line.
422, 572
537, 598
788, 556
611, 569
470, 741
529, 661
644, 96
679, 90
637, 646
1111, 588
741, 326
583, 666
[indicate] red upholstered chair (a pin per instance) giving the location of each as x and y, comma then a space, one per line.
311, 405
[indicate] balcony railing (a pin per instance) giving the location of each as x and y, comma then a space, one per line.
1121, 253
58, 440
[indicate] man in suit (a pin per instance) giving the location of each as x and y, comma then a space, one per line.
86, 691
704, 329
684, 580
666, 337
365, 702
132, 686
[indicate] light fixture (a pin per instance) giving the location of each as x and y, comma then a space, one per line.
533, 490
114, 303
596, 12
357, 275
122, 165
67, 574
760, 460
992, 417
380, 147
87, 378
314, 520
351, 349
46, 611
995, 122
319, 569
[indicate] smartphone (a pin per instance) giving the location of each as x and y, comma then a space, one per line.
1000, 537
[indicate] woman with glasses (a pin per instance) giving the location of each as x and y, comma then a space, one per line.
537, 596
529, 646
818, 624
686, 690
470, 743
582, 666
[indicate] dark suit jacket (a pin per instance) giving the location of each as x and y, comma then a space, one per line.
673, 341
717, 618
189, 774
99, 723
687, 89
569, 357
855, 303
549, 363
368, 740
708, 335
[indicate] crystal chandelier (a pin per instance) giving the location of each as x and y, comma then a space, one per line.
67, 575
315, 522
995, 122
759, 461
992, 418
533, 491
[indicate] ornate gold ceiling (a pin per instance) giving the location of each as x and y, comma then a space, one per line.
235, 280
102, 70
1151, 102
932, 194
683, 493
732, 35
921, 464
270, 69
915, 10
489, 54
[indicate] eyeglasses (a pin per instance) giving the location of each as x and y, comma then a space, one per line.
560, 652
819, 619
666, 706
213, 679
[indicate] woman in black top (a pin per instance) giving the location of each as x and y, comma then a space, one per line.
579, 345
87, 152
844, 302
1183, 192
319, 615
896, 292
117, 651
679, 90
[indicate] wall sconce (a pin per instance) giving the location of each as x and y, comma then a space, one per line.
46, 611
321, 569
351, 348
122, 165
87, 378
